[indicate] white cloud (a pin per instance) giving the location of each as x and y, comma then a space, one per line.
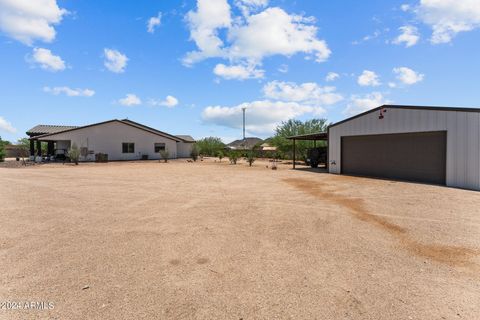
30, 20
408, 76
374, 35
47, 60
239, 72
154, 22
69, 91
368, 78
332, 76
283, 68
262, 116
130, 100
275, 32
249, 6
409, 36
115, 61
307, 93
447, 18
169, 102
6, 126
283, 101
249, 39
405, 7
359, 104
204, 23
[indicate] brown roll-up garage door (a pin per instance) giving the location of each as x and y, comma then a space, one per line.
419, 156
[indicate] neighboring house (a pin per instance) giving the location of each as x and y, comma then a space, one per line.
244, 144
119, 139
267, 147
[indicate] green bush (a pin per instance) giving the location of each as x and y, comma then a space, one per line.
2, 153
194, 152
2, 149
164, 155
74, 153
251, 158
220, 155
233, 156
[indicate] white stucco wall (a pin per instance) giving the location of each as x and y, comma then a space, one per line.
463, 138
108, 138
184, 149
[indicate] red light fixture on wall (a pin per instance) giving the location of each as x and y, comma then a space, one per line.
382, 113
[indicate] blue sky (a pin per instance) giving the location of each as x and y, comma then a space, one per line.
199, 62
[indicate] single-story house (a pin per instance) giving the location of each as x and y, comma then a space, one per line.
438, 145
119, 139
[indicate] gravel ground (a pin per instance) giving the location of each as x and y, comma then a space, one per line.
210, 240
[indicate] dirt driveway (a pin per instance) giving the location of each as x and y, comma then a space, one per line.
214, 241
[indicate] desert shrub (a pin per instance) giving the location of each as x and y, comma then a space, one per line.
164, 155
194, 153
74, 153
220, 155
2, 152
251, 158
233, 156
209, 146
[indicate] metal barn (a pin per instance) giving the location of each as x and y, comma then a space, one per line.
437, 145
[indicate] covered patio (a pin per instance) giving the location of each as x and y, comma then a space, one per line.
320, 136
35, 135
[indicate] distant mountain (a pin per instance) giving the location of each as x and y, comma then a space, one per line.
244, 144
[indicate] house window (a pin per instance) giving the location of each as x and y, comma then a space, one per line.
128, 147
159, 147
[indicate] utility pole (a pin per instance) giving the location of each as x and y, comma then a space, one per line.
243, 109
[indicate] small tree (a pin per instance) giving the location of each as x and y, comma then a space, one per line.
220, 155
209, 146
233, 156
164, 155
74, 153
296, 127
251, 158
22, 153
23, 148
194, 152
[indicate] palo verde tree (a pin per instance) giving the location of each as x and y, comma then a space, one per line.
210, 146
296, 127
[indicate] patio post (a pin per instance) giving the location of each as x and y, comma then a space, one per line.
39, 148
32, 147
50, 148
294, 153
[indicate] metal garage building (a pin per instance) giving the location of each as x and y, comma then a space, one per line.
426, 144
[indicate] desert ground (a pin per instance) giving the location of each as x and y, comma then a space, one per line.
210, 240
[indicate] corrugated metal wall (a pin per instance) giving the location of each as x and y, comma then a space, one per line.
463, 138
